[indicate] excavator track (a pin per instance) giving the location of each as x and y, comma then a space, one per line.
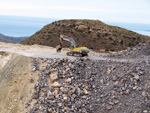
84, 54
70, 53
76, 54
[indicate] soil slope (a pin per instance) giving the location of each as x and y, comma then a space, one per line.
93, 34
14, 84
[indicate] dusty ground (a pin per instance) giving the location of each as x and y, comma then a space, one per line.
34, 50
38, 51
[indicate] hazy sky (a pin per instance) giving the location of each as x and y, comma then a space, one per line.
134, 11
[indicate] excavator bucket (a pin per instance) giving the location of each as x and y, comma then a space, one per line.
58, 48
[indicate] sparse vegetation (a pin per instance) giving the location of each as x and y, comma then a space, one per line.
121, 42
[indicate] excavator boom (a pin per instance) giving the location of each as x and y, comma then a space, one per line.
67, 38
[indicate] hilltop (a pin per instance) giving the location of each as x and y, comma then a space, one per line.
93, 34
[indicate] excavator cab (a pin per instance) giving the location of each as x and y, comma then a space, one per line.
72, 47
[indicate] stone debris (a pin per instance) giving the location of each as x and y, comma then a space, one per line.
56, 85
91, 86
53, 76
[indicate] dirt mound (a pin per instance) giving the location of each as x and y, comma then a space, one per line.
93, 34
15, 84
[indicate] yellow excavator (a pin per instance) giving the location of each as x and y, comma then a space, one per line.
74, 49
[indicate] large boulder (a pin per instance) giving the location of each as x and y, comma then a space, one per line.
82, 27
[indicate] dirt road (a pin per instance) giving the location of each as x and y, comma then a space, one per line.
39, 51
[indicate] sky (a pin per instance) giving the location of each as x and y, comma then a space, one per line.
132, 11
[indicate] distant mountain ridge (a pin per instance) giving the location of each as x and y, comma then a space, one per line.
93, 34
6, 41
11, 39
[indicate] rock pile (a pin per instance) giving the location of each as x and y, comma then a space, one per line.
142, 50
86, 86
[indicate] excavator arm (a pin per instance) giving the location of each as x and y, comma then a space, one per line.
65, 38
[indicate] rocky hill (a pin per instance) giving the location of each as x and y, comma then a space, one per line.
93, 34
114, 83
11, 39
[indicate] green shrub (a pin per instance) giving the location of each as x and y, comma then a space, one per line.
107, 49
134, 38
130, 44
110, 38
112, 49
121, 42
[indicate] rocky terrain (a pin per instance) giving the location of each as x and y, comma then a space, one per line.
84, 86
93, 34
141, 51
103, 83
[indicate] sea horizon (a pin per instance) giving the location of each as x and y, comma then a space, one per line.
18, 26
